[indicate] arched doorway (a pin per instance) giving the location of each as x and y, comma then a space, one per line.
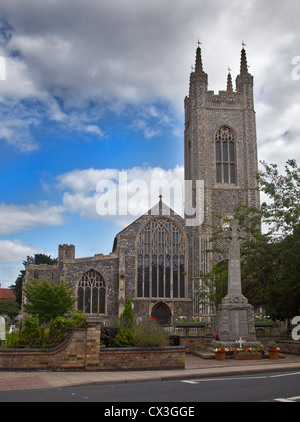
162, 312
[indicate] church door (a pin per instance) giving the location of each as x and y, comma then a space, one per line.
162, 312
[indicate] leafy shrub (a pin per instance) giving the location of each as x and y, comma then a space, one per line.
124, 338
78, 319
144, 334
33, 335
149, 334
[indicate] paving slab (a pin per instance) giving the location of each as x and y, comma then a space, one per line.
22, 383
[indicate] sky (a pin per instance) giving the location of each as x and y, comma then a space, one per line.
92, 94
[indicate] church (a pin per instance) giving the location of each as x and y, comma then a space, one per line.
157, 259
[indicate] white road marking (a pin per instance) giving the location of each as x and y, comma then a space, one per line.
284, 400
285, 375
224, 379
190, 382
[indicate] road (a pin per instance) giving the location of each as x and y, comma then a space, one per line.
283, 387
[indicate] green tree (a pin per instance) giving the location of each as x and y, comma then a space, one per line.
37, 259
17, 287
282, 292
279, 269
283, 210
126, 317
270, 260
9, 307
47, 300
212, 287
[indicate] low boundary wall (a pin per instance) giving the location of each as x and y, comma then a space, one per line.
136, 359
81, 352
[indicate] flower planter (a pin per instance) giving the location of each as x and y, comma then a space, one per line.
273, 354
263, 324
220, 355
247, 357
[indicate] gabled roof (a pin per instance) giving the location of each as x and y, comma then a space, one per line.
160, 209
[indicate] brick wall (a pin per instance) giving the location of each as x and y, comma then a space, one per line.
289, 346
135, 359
81, 352
68, 356
196, 343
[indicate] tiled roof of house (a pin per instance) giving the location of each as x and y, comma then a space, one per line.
6, 294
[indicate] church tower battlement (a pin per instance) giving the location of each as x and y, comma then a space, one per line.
220, 148
199, 96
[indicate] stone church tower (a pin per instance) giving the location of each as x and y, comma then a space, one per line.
220, 149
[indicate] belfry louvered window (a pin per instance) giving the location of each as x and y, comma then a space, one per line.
161, 260
225, 156
91, 293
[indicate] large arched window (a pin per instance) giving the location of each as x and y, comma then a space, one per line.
225, 156
160, 260
91, 293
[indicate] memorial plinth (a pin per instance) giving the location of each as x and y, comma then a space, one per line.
235, 315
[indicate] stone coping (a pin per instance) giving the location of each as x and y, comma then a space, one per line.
142, 349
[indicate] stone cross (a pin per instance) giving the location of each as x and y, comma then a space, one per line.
235, 235
241, 342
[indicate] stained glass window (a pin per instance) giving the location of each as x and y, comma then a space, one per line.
225, 156
91, 293
160, 260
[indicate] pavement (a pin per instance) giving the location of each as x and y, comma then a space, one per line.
197, 366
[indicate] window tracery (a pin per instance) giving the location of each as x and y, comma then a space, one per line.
161, 260
91, 293
225, 156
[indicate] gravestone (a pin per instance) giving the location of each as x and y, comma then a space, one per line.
235, 315
2, 330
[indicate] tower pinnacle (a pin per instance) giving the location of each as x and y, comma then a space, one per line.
244, 66
229, 82
198, 66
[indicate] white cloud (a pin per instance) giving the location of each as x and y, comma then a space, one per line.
14, 218
94, 129
133, 191
136, 190
139, 53
12, 255
16, 132
12, 251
